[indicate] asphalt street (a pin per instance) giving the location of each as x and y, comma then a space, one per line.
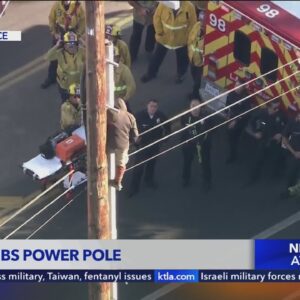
29, 115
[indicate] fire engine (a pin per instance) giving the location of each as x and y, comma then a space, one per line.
245, 39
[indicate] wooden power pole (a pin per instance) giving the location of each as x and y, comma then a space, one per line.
98, 205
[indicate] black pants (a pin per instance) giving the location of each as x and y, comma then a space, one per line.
189, 152
234, 135
136, 37
196, 73
148, 167
293, 170
52, 68
64, 94
265, 151
159, 55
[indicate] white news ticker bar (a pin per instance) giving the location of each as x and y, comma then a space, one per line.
139, 254
10, 36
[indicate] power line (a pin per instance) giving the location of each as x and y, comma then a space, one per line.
213, 114
219, 125
36, 199
215, 98
39, 212
54, 215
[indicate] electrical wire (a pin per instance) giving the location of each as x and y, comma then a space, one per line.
219, 125
39, 212
36, 199
215, 98
54, 215
211, 115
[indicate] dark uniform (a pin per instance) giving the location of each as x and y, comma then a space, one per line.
268, 125
145, 122
292, 133
235, 132
199, 147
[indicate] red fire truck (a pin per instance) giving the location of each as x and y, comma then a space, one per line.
246, 39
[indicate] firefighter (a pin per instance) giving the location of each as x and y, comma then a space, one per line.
195, 52
173, 21
291, 141
71, 109
64, 16
266, 127
122, 130
236, 127
113, 33
71, 58
199, 147
146, 119
143, 12
124, 81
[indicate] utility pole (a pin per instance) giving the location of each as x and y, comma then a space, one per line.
98, 205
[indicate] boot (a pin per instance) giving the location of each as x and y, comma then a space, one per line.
117, 183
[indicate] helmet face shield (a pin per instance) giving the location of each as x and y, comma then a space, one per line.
71, 47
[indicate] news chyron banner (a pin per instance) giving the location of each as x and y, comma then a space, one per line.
161, 261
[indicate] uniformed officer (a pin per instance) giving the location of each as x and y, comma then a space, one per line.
291, 141
236, 127
71, 109
113, 33
146, 119
196, 57
199, 147
143, 12
64, 16
71, 58
125, 86
266, 127
173, 21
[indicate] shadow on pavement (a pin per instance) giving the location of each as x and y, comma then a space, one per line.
35, 42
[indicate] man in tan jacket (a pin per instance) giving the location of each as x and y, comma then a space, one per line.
121, 130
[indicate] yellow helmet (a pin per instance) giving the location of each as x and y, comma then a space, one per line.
116, 51
74, 89
113, 30
70, 37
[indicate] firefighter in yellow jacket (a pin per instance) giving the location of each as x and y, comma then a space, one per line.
195, 52
64, 16
173, 21
125, 86
71, 57
71, 109
113, 33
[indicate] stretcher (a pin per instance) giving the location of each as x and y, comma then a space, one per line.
49, 170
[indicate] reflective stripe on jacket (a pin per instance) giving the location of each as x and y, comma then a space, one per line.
69, 66
125, 86
195, 46
172, 31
